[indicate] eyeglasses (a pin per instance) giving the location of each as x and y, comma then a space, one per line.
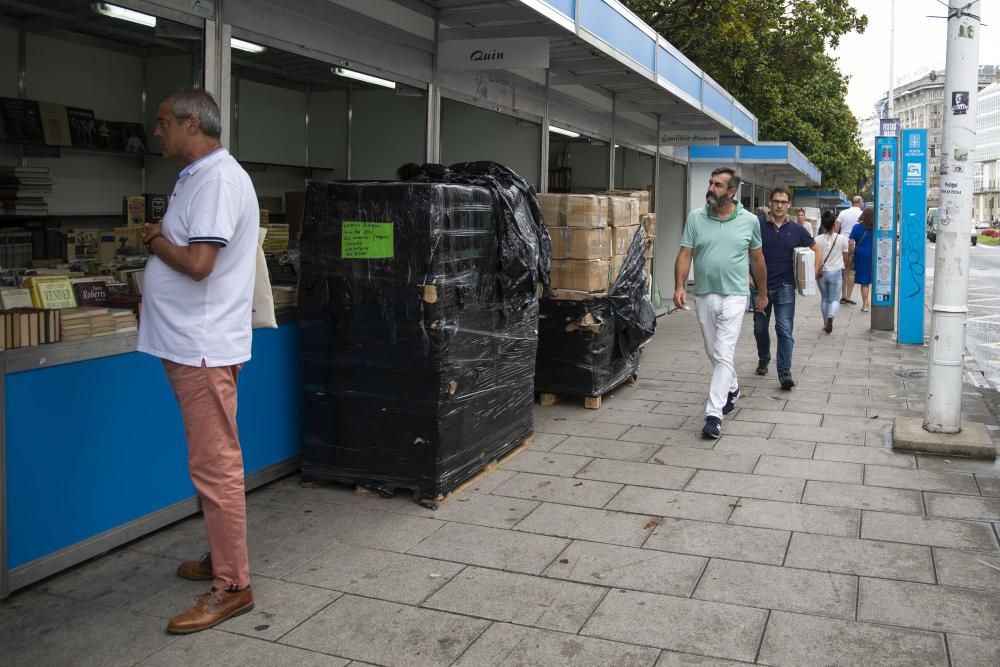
777, 202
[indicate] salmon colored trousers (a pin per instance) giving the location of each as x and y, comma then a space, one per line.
207, 398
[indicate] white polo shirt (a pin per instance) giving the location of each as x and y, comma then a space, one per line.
847, 219
189, 321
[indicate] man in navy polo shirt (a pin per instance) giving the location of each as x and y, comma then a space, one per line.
780, 238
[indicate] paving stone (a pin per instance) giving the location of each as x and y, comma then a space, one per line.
584, 523
478, 509
566, 490
678, 504
928, 607
673, 396
640, 474
860, 423
548, 463
673, 659
504, 645
836, 408
921, 480
902, 501
220, 649
543, 442
958, 464
747, 486
932, 532
779, 417
830, 434
641, 419
705, 459
719, 540
962, 507
679, 624
773, 587
519, 598
116, 579
579, 427
869, 455
386, 633
966, 568
973, 651
605, 449
484, 484
797, 639
649, 435
870, 558
826, 471
750, 445
681, 408
759, 403
988, 486
491, 547
617, 402
628, 567
797, 517
731, 427
39, 629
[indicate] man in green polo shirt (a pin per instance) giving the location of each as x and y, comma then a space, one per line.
723, 239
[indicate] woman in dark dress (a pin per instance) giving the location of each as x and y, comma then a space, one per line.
862, 244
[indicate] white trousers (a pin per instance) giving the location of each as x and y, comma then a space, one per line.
721, 318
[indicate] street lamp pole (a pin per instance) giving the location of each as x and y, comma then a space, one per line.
951, 262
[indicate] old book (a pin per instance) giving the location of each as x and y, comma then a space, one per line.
23, 120
91, 293
134, 137
56, 294
15, 297
32, 283
134, 208
82, 127
109, 135
55, 124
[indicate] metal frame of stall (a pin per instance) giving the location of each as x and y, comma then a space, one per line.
610, 76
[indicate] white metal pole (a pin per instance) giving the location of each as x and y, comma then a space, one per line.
892, 57
951, 262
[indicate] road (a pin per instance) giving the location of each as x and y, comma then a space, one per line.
983, 330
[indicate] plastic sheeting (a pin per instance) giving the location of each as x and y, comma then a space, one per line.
418, 366
589, 347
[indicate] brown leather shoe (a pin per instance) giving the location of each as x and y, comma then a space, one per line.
211, 609
829, 325
196, 570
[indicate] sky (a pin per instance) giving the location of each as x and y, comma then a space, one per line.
920, 46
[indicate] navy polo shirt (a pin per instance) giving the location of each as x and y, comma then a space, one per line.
779, 249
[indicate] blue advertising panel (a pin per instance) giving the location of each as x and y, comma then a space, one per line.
884, 265
913, 211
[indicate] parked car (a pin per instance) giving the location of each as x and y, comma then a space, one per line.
932, 227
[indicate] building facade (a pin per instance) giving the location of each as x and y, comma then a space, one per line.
986, 206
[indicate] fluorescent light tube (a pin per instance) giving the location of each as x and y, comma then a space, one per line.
559, 130
367, 78
116, 12
243, 45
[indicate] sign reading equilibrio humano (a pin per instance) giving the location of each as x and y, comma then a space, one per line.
710, 138
512, 53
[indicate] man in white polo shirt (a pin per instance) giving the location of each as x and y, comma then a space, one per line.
845, 223
197, 298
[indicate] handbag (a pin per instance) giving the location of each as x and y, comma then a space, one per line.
262, 315
850, 255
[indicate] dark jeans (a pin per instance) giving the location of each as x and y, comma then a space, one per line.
781, 301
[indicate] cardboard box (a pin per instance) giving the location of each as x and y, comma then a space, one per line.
580, 243
616, 267
585, 275
589, 211
574, 295
623, 211
623, 239
648, 252
648, 222
641, 195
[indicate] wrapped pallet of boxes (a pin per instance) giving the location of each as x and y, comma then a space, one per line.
623, 211
587, 346
641, 196
805, 271
418, 316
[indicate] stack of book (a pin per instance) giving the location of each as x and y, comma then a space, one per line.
124, 320
85, 322
276, 239
285, 296
25, 327
23, 190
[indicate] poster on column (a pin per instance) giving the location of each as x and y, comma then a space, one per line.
912, 240
886, 150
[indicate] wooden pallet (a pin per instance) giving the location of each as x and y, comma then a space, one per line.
590, 402
435, 503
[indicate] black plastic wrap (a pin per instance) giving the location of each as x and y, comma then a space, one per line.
417, 369
589, 347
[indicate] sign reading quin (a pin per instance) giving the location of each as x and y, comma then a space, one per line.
512, 53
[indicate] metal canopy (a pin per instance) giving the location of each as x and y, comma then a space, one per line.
774, 162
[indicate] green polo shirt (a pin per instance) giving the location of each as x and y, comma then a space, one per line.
720, 246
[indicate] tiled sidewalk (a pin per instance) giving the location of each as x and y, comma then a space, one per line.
621, 537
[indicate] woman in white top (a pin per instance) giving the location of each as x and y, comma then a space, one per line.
833, 250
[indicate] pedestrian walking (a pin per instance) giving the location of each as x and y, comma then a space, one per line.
846, 222
723, 239
829, 272
860, 252
196, 308
780, 238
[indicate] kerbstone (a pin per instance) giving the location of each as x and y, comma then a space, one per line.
679, 624
974, 440
872, 558
720, 540
796, 639
928, 607
628, 567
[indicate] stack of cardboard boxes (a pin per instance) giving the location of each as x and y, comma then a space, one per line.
591, 235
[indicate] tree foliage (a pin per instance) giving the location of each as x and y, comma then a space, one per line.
771, 56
